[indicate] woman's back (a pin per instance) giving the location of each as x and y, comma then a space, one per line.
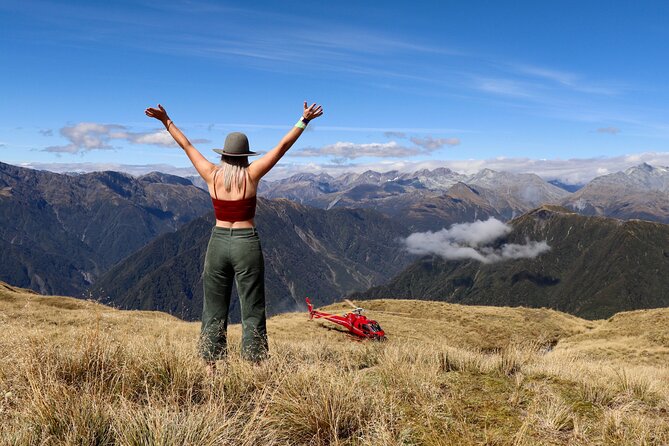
234, 206
217, 187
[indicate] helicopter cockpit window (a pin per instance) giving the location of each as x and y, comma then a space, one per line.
375, 327
365, 327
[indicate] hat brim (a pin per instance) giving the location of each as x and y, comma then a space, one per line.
223, 152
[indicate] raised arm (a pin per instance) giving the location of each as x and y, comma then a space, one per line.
264, 164
203, 166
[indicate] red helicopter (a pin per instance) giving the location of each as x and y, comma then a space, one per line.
356, 323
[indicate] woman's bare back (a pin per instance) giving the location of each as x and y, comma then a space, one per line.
217, 191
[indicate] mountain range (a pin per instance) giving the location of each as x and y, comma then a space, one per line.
139, 241
596, 266
394, 192
312, 252
432, 199
59, 232
640, 192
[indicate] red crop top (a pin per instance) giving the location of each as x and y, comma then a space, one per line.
234, 210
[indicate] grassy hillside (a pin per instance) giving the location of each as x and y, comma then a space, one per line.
77, 372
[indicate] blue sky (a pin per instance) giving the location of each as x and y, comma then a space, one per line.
514, 85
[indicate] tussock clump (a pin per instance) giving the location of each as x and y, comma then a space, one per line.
94, 364
454, 360
553, 413
596, 393
636, 386
322, 408
164, 427
626, 426
169, 373
56, 414
507, 361
513, 358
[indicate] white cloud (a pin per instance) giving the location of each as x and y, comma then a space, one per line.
529, 250
349, 150
87, 136
392, 149
430, 143
471, 241
477, 233
157, 138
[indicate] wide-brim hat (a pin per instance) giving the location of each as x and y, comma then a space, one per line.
236, 144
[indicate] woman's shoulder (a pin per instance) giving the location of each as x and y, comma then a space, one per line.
250, 176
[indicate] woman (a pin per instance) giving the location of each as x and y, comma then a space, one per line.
234, 251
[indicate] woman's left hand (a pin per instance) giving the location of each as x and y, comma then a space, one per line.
159, 113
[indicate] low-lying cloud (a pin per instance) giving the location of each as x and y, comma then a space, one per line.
87, 136
472, 241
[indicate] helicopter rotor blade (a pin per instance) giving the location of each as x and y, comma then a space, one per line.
392, 312
351, 304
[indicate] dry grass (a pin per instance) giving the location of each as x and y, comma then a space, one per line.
78, 373
634, 337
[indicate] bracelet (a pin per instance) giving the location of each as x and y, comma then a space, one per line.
168, 125
302, 123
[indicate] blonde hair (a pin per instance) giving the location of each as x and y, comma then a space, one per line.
234, 170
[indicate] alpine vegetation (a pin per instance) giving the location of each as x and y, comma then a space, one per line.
473, 241
74, 372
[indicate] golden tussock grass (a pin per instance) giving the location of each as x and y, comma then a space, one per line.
78, 373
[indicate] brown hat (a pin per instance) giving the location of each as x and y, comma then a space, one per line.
236, 144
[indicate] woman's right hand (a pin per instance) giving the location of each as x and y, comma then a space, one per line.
312, 112
159, 113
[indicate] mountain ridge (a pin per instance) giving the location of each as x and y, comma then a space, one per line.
59, 232
596, 266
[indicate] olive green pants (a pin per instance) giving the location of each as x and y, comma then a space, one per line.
234, 255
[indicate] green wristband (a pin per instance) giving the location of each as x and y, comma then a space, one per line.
301, 124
